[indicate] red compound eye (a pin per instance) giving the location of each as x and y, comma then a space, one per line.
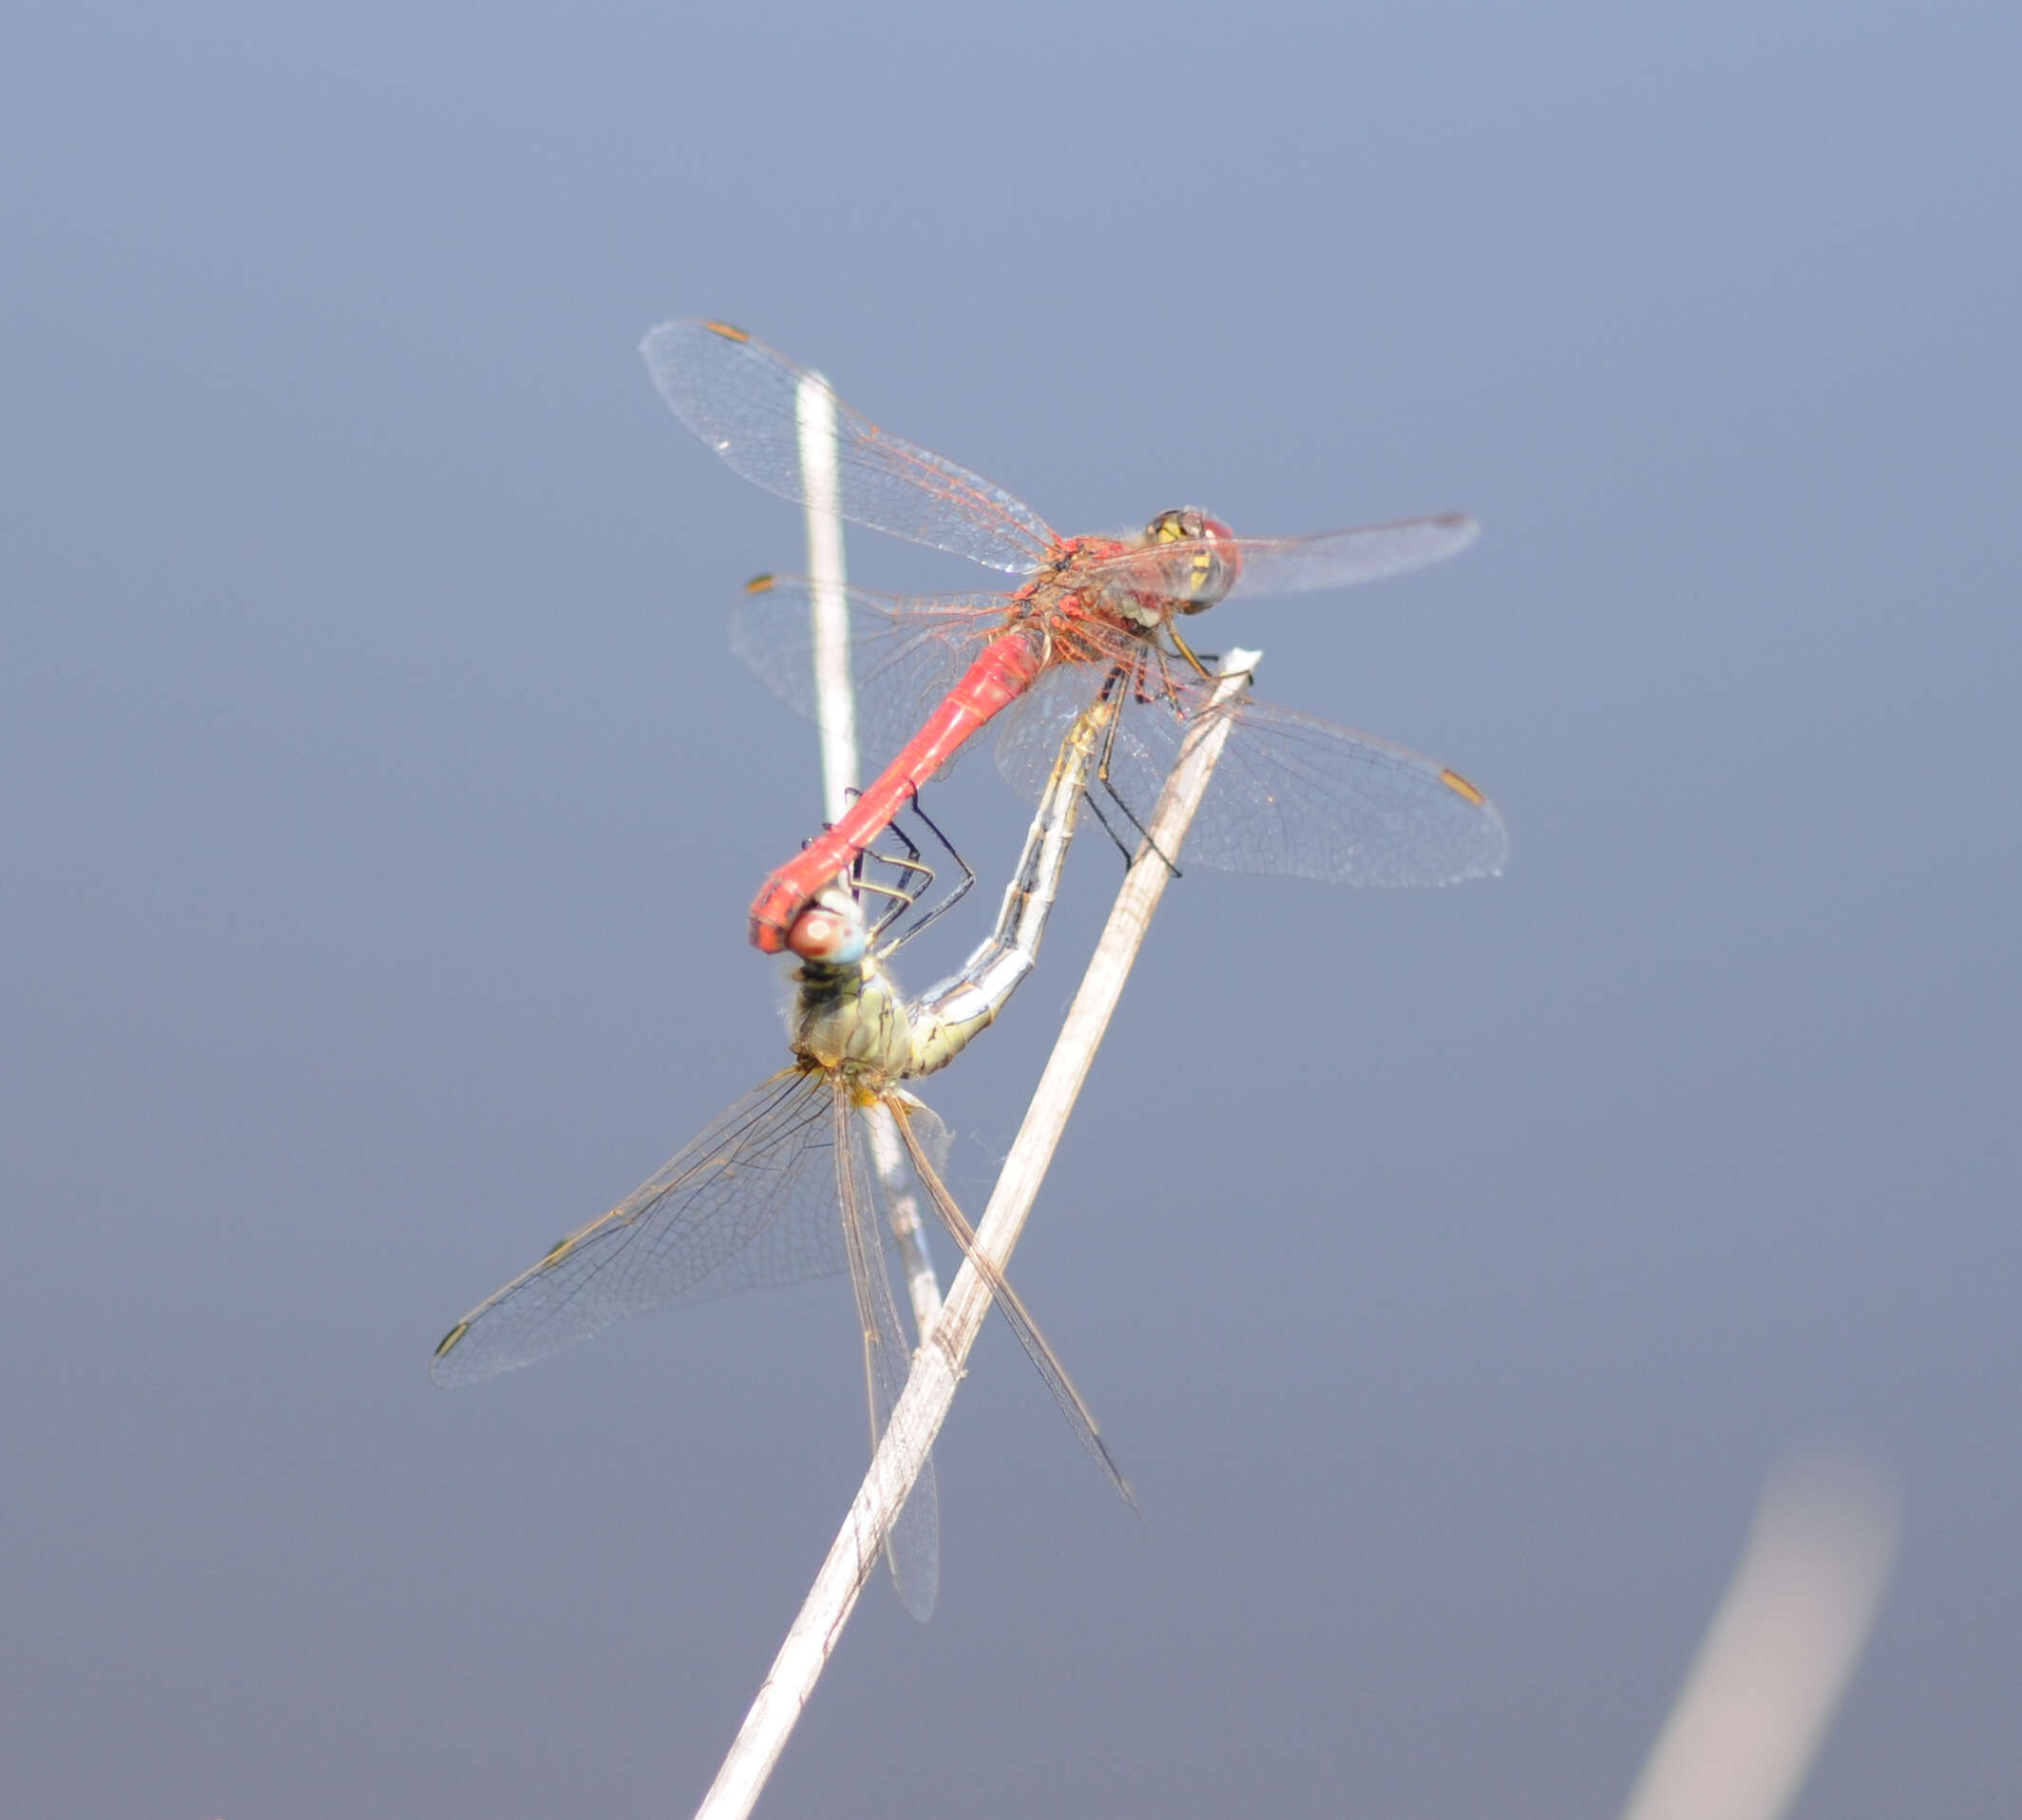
822, 934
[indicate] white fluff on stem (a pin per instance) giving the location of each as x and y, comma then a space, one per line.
938, 1365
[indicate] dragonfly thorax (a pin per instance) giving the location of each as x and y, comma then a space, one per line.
848, 1020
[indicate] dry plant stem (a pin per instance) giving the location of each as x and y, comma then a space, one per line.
835, 719
938, 1365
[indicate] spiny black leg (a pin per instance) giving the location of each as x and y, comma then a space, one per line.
1128, 852
902, 901
954, 896
1130, 815
915, 878
1115, 795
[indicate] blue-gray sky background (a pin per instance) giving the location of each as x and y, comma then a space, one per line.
382, 804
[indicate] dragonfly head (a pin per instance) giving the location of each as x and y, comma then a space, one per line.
1209, 572
830, 931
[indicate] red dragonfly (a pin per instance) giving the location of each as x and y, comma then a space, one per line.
1095, 617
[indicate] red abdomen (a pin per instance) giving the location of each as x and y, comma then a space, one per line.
1003, 672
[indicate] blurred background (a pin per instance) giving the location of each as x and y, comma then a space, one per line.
382, 803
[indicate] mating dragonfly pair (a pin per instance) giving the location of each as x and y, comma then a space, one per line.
1087, 671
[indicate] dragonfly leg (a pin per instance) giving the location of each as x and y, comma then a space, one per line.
1199, 663
955, 894
915, 879
1121, 845
1102, 777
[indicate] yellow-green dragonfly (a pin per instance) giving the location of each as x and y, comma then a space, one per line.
804, 1176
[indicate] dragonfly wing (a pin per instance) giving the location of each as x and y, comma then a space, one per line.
1290, 564
905, 654
1293, 795
750, 1202
1305, 798
913, 1546
914, 1127
746, 402
1034, 726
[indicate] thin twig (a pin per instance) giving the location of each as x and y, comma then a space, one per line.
938, 1365
836, 720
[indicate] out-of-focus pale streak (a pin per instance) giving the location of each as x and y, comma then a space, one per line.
835, 695
836, 720
1762, 1693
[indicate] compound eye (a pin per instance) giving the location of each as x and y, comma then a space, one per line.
1207, 573
828, 935
1214, 569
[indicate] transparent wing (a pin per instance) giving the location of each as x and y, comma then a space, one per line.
1079, 1417
1290, 564
912, 1547
1292, 796
905, 654
743, 400
750, 1202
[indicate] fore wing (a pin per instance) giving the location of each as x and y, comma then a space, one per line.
751, 406
750, 1202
